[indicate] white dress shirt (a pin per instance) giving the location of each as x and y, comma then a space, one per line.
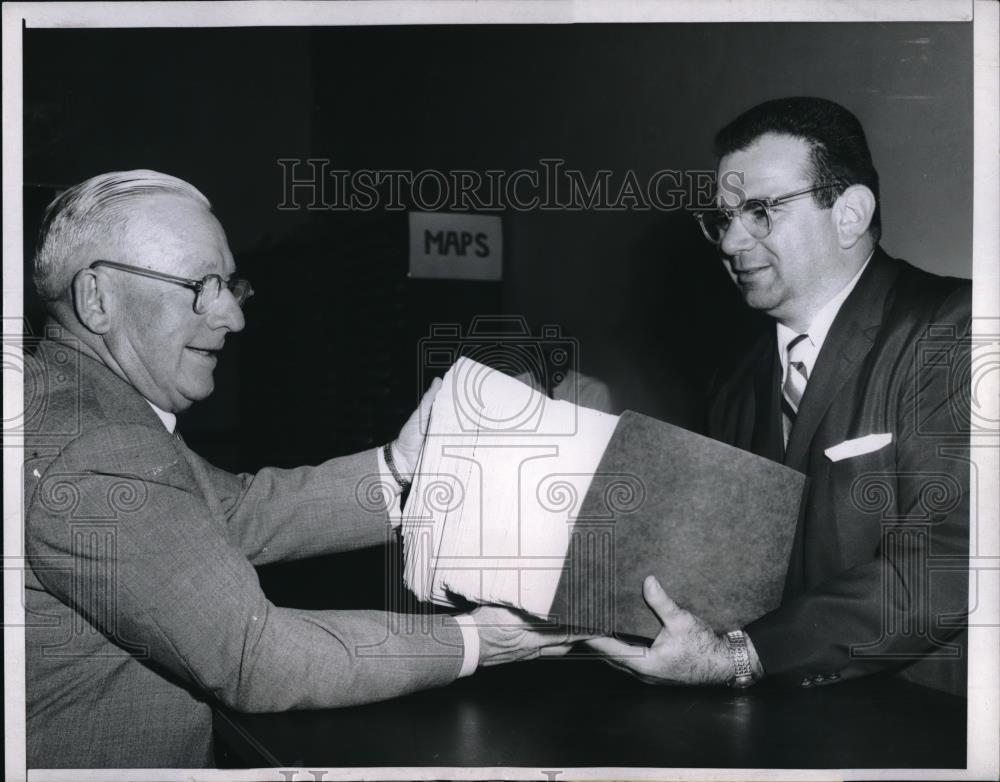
169, 419
818, 329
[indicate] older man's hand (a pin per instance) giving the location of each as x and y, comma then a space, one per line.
686, 650
506, 636
406, 447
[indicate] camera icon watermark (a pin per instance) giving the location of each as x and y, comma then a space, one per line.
967, 363
545, 364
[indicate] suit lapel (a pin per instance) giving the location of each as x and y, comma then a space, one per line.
849, 340
767, 439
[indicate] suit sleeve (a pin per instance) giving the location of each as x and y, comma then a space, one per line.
147, 563
910, 600
277, 515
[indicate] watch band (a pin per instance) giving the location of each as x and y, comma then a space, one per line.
742, 671
391, 464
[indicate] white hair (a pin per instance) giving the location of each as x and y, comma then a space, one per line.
89, 213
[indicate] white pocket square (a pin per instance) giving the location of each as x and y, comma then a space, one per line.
858, 446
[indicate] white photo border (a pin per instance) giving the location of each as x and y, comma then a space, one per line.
984, 704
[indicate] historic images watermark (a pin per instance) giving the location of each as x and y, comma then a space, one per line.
314, 184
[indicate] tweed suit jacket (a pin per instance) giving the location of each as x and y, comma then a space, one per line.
142, 601
878, 572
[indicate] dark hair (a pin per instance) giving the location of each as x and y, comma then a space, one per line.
838, 149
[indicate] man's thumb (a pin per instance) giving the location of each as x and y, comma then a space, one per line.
657, 600
427, 400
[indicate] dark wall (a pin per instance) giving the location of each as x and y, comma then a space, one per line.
214, 107
210, 106
330, 359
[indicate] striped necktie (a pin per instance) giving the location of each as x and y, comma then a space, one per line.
796, 377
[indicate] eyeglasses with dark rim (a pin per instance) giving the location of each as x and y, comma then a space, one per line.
755, 214
206, 290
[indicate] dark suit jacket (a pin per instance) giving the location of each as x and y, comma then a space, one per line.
143, 605
878, 572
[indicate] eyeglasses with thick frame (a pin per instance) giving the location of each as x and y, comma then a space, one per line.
206, 290
755, 214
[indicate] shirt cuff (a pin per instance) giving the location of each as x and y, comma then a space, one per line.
390, 491
470, 639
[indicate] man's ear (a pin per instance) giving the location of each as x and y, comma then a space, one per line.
91, 300
853, 213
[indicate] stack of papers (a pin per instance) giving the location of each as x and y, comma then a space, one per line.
501, 479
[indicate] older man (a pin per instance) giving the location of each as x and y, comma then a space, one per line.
859, 384
144, 607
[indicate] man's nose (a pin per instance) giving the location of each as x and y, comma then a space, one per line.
736, 238
226, 313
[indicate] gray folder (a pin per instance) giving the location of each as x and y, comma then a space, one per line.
714, 523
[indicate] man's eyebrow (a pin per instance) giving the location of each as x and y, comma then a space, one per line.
757, 197
202, 268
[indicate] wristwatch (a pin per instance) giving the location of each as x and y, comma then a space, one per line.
742, 672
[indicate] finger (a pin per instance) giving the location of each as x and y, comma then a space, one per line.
573, 638
427, 403
658, 601
556, 651
615, 649
619, 654
432, 390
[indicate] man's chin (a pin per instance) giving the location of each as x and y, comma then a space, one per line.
758, 299
759, 295
188, 396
